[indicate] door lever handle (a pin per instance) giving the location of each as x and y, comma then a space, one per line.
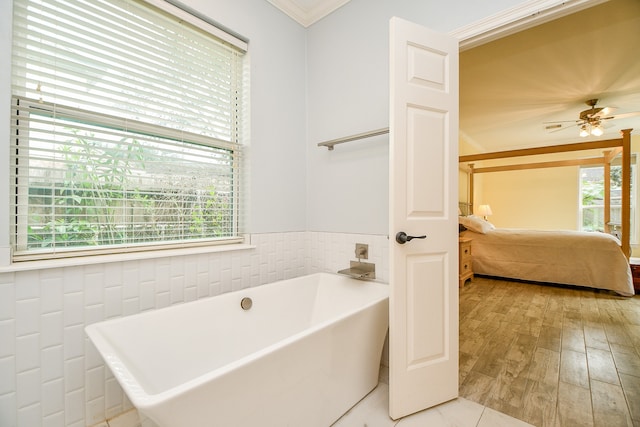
402, 238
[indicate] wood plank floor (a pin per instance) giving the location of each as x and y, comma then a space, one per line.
551, 355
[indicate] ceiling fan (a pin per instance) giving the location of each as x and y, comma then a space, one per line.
591, 121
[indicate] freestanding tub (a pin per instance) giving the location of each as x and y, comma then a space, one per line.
307, 350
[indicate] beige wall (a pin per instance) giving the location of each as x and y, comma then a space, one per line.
535, 199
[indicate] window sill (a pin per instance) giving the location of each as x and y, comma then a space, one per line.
121, 257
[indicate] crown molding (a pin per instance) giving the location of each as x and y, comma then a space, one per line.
310, 13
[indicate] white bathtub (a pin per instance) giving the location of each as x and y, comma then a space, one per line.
307, 351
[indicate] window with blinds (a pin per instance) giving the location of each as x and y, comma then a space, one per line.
127, 125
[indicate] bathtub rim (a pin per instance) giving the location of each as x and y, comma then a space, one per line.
142, 399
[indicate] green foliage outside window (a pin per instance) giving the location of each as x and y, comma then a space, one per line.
108, 197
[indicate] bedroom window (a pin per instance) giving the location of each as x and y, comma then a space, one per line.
127, 129
592, 198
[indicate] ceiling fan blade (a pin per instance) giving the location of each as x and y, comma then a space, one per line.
562, 121
624, 115
556, 126
606, 111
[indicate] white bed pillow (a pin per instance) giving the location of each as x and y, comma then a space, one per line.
476, 224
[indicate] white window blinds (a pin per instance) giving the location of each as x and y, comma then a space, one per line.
127, 126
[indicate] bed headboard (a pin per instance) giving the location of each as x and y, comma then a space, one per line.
465, 208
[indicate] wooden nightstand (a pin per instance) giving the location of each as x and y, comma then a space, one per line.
635, 273
465, 266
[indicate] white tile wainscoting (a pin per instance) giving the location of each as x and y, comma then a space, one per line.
51, 375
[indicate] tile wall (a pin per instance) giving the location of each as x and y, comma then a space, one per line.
51, 375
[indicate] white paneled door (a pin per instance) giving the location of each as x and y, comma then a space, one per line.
423, 190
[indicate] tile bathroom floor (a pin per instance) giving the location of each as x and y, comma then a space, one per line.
372, 411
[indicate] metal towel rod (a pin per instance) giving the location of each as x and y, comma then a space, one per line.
330, 144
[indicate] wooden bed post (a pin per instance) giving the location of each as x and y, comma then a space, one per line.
471, 191
607, 191
626, 192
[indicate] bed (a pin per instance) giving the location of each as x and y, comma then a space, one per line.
589, 259
612, 150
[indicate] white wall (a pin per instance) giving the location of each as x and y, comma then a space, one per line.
348, 93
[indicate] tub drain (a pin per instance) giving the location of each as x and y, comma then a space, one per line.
246, 303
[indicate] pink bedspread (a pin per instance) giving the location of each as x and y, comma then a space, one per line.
593, 260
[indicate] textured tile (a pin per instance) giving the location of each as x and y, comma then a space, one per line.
54, 420
27, 317
456, 413
627, 363
114, 397
609, 405
631, 389
7, 375
128, 419
113, 273
574, 406
27, 352
112, 302
595, 337
540, 407
550, 338
476, 387
8, 410
73, 309
573, 338
545, 366
94, 411
52, 366
7, 301
27, 285
74, 407
51, 294
28, 388
573, 368
51, 329
29, 415
602, 366
74, 374
52, 397
95, 383
616, 332
73, 279
94, 289
372, 411
492, 418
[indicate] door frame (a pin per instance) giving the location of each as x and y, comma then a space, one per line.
516, 19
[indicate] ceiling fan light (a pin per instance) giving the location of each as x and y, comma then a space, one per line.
597, 130
583, 131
